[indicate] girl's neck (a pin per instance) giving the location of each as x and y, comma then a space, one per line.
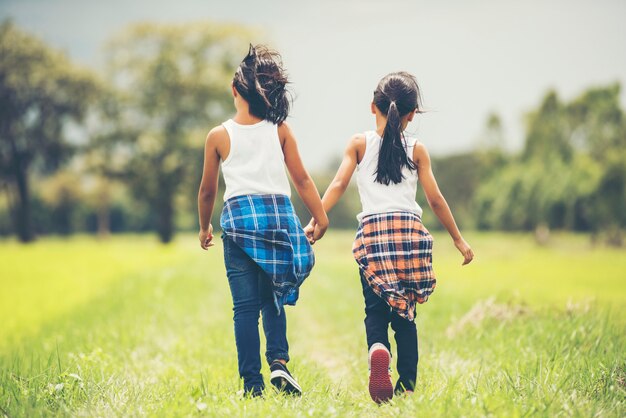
243, 116
381, 122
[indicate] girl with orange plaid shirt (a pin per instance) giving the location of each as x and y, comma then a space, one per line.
392, 248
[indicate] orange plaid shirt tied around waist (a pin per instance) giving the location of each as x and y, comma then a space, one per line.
394, 254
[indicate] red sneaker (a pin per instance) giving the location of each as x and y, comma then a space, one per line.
380, 386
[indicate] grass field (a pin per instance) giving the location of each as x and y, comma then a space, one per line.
126, 327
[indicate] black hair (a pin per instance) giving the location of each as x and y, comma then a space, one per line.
396, 96
261, 80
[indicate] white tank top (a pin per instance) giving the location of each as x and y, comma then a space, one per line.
377, 197
255, 163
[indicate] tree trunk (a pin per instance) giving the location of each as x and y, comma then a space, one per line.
103, 208
165, 217
104, 224
23, 223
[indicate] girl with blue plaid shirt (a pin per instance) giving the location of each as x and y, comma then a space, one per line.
392, 248
266, 253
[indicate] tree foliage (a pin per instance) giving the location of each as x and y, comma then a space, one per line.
41, 92
174, 84
138, 162
572, 172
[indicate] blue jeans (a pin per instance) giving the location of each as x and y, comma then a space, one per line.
251, 290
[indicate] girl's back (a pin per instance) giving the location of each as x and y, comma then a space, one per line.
255, 162
381, 198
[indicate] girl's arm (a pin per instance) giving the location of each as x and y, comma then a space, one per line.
340, 183
302, 180
437, 202
215, 140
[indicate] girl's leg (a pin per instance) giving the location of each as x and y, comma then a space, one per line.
277, 349
274, 323
406, 343
376, 317
377, 313
242, 274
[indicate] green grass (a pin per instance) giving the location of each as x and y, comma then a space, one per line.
126, 327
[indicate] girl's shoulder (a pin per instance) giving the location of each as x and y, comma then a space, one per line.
285, 133
411, 140
419, 151
284, 129
218, 140
217, 134
358, 138
357, 146
419, 144
358, 141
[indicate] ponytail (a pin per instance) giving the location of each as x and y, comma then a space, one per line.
261, 81
392, 156
397, 95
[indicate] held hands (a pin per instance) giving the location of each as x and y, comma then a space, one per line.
206, 237
314, 231
465, 250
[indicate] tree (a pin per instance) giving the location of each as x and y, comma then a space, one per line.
62, 193
572, 172
548, 134
41, 92
175, 84
492, 138
599, 130
598, 122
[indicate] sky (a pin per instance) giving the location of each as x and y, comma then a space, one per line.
470, 57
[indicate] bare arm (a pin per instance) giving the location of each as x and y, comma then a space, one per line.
302, 180
208, 185
437, 202
340, 183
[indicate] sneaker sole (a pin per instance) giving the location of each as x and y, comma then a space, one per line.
285, 383
380, 386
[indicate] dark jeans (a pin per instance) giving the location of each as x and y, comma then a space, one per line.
251, 289
378, 315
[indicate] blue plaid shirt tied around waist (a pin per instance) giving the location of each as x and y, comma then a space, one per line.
267, 229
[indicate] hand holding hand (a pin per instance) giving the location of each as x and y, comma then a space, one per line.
319, 230
314, 231
465, 250
206, 237
309, 230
